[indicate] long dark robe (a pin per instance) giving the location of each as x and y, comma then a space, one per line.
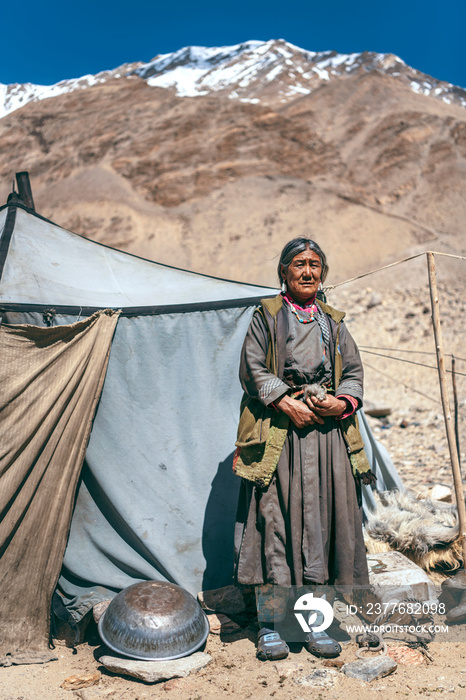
306, 526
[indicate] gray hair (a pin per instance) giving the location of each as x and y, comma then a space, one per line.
296, 246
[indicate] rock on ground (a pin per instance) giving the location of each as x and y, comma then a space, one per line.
320, 678
82, 681
154, 671
370, 669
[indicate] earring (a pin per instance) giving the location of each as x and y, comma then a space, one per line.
321, 293
284, 286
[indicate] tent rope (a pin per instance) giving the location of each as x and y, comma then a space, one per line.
397, 381
385, 267
418, 352
411, 362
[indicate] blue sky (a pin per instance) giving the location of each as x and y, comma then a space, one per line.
43, 41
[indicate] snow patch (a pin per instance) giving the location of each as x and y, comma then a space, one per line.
299, 89
323, 75
274, 73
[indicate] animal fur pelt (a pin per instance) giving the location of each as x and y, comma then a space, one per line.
426, 531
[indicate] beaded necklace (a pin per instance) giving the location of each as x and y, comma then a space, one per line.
311, 314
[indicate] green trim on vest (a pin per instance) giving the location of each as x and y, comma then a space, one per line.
274, 305
262, 430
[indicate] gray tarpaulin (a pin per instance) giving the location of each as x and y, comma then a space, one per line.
158, 497
49, 265
381, 465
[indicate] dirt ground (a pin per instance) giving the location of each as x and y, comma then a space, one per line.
235, 672
415, 437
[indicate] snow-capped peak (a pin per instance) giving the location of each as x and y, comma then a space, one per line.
253, 71
244, 70
260, 71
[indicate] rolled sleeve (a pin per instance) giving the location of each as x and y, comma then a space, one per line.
351, 406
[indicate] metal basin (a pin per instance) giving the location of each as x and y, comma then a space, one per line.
154, 621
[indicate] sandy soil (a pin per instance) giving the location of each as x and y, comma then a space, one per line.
235, 672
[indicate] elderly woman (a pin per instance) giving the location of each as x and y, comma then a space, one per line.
300, 454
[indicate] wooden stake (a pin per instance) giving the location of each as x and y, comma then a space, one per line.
455, 405
445, 403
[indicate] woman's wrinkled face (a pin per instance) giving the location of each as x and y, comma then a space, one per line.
303, 275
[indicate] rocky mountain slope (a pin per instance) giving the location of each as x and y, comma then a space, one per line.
211, 159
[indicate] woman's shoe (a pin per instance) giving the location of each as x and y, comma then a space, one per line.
320, 644
270, 646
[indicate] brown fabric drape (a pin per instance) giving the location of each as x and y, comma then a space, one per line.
50, 382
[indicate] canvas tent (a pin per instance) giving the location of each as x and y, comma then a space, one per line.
156, 497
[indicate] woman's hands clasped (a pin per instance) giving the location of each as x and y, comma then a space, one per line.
312, 411
300, 413
330, 406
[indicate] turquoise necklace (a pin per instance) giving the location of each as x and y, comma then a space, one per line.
303, 320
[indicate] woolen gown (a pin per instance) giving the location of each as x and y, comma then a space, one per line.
306, 526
